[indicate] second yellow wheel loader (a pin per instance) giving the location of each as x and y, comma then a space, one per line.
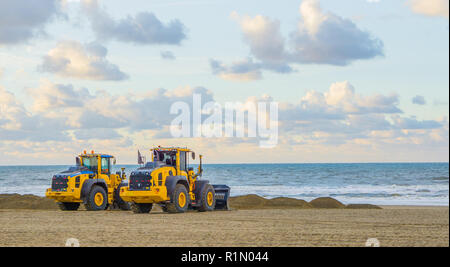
169, 181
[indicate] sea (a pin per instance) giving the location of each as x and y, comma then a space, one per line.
369, 183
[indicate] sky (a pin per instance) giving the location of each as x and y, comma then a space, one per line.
356, 80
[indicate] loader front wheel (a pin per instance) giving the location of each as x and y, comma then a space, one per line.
97, 199
208, 199
141, 207
66, 206
180, 200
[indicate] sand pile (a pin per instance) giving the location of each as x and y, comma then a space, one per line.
250, 202
257, 202
16, 201
326, 203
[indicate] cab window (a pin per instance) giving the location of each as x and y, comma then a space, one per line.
168, 157
183, 161
90, 163
105, 166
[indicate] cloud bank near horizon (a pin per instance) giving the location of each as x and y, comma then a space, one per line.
64, 116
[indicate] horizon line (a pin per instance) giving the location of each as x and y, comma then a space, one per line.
285, 163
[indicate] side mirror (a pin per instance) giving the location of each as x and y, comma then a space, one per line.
114, 161
78, 161
193, 155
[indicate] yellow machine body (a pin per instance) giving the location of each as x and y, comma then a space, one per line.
76, 184
158, 192
169, 181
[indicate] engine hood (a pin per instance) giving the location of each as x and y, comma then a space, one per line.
148, 168
74, 171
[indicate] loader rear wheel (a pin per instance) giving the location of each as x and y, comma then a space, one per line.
68, 206
141, 207
97, 199
208, 199
118, 201
180, 200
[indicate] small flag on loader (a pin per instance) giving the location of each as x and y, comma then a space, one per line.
140, 158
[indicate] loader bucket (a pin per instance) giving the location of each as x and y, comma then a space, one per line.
222, 195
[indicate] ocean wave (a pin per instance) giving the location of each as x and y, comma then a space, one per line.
443, 178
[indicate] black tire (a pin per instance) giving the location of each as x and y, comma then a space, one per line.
205, 204
176, 205
141, 207
66, 206
164, 208
90, 203
118, 201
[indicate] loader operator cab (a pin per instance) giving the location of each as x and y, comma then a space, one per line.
169, 158
93, 161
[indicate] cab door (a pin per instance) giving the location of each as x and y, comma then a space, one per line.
105, 169
182, 164
105, 174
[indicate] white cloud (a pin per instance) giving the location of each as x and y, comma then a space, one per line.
10, 110
325, 38
144, 28
430, 7
320, 38
419, 100
245, 70
73, 59
338, 108
49, 96
342, 95
263, 36
79, 109
312, 17
21, 20
61, 112
17, 123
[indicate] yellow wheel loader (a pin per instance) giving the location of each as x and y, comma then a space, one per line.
89, 182
169, 182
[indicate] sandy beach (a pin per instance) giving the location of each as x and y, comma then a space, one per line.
272, 226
